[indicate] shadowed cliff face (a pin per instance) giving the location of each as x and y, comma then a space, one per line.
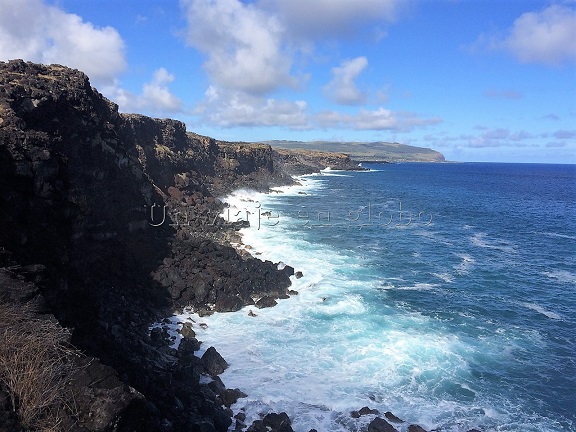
80, 190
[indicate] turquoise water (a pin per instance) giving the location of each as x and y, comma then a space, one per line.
445, 293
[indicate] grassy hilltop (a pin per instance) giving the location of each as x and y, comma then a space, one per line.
379, 151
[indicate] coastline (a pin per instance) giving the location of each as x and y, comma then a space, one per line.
114, 226
250, 321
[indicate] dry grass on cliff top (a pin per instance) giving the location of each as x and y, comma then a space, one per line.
36, 362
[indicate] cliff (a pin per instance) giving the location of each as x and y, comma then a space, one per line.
378, 151
110, 223
301, 161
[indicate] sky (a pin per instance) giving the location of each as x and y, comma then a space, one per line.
477, 80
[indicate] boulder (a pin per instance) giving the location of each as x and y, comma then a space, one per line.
289, 270
216, 385
187, 331
265, 302
187, 347
364, 411
272, 423
392, 417
380, 425
101, 398
231, 396
228, 303
213, 362
278, 422
416, 428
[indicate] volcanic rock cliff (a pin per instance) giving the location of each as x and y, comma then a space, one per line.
110, 222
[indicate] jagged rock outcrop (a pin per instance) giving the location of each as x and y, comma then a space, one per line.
82, 189
300, 161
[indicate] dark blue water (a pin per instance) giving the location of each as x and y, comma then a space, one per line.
445, 293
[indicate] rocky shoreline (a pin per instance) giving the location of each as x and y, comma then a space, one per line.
111, 224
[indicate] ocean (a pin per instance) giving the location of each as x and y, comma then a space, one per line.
444, 293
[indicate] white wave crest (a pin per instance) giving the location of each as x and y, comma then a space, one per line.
540, 309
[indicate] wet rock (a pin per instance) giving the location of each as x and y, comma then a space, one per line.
187, 331
278, 422
364, 411
392, 417
298, 274
231, 396
289, 270
416, 428
272, 423
228, 303
187, 347
265, 302
216, 385
213, 362
240, 425
240, 421
380, 425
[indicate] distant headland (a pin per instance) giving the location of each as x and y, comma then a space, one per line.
377, 151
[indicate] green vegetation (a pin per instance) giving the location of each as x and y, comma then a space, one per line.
366, 151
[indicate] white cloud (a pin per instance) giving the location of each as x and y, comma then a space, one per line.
499, 137
34, 31
229, 108
244, 45
565, 134
330, 18
342, 89
541, 37
253, 46
156, 93
155, 99
379, 119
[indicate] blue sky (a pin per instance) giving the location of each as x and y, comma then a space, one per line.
478, 80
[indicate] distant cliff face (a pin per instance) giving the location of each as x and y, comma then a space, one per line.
300, 161
378, 151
